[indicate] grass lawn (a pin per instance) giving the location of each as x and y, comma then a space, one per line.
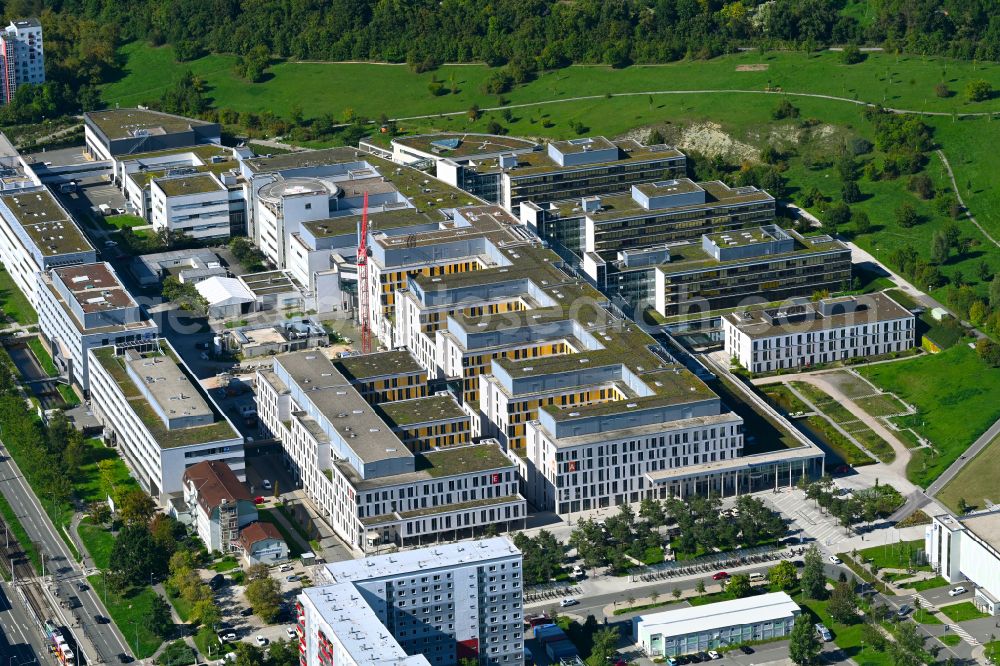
952, 410
835, 442
180, 605
781, 397
27, 545
122, 221
924, 616
178, 653
13, 301
846, 420
928, 584
962, 612
846, 637
976, 481
209, 645
88, 484
761, 434
293, 544
43, 356
98, 541
69, 396
881, 405
129, 613
894, 555
227, 563
951, 640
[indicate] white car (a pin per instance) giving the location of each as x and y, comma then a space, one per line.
285, 567
265, 484
568, 602
714, 655
835, 560
261, 641
957, 591
227, 636
290, 632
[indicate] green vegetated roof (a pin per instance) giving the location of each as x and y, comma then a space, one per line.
378, 364
403, 413
389, 219
198, 183
462, 460
119, 123
691, 257
167, 439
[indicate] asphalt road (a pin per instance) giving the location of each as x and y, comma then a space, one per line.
20, 641
62, 569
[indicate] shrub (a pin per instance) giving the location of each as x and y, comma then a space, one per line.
851, 55
978, 90
922, 185
943, 91
785, 109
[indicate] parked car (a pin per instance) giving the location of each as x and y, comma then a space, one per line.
265, 484
835, 560
285, 567
260, 640
694, 659
722, 575
903, 610
226, 636
124, 658
292, 578
290, 632
246, 612
746, 649
568, 602
259, 499
704, 656
217, 581
823, 632
714, 655
954, 592
83, 587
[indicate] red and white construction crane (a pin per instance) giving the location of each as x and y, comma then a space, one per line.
364, 314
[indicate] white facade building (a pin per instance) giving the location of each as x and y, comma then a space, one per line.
37, 234
160, 418
85, 306
690, 630
364, 480
22, 57
193, 204
433, 606
803, 334
968, 549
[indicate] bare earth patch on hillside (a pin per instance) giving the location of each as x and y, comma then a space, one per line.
756, 67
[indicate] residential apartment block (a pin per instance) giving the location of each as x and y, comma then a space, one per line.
36, 235
967, 548
437, 606
159, 416
219, 503
744, 266
802, 333
365, 480
85, 306
22, 57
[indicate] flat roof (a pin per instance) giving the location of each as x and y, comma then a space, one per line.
538, 161
986, 526
167, 439
123, 123
623, 205
305, 159
405, 562
664, 187
469, 145
269, 282
95, 287
686, 257
47, 224
198, 183
805, 317
378, 364
732, 613
405, 413
394, 218
462, 460
169, 387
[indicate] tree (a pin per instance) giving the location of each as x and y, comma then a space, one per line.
942, 90
803, 646
184, 294
813, 577
700, 587
604, 643
254, 63
963, 506
979, 312
906, 216
922, 184
249, 655
676, 593
205, 611
862, 223
159, 620
783, 575
135, 507
283, 653
851, 55
978, 90
133, 554
785, 110
739, 586
989, 352
652, 511
995, 292
264, 595
983, 271
843, 606
850, 192
838, 215
940, 248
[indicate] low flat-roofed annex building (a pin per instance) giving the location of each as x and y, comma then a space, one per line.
363, 478
967, 548
114, 132
439, 605
711, 626
803, 333
159, 417
195, 204
85, 306
37, 234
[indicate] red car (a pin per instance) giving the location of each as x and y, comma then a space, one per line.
258, 500
722, 575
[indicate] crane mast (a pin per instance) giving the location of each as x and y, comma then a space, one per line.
364, 315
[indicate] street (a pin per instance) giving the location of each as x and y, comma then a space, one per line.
20, 641
61, 570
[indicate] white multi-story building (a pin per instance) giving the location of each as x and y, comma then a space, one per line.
363, 479
968, 549
116, 134
22, 57
435, 606
195, 204
219, 503
803, 333
85, 306
37, 234
159, 417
